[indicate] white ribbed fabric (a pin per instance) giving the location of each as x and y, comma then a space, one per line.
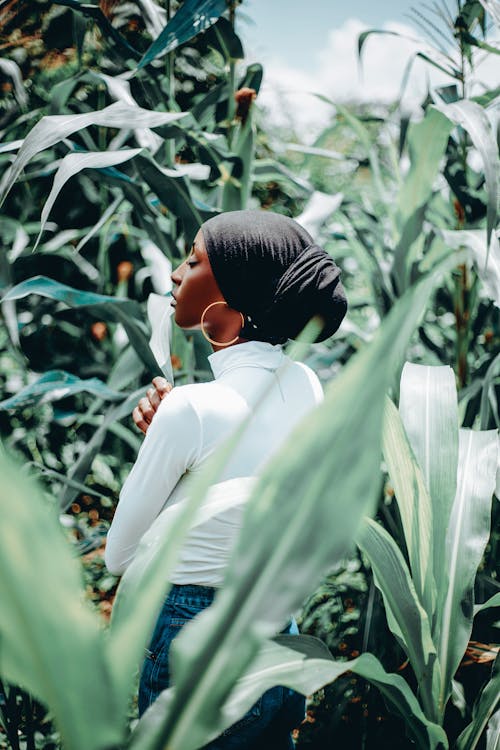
191, 421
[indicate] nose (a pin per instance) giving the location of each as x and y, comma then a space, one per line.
177, 275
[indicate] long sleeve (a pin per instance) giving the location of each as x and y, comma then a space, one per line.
171, 446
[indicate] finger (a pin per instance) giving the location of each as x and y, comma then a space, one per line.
154, 398
147, 410
162, 386
138, 418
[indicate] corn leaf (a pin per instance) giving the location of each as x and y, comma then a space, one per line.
467, 535
426, 144
124, 311
173, 190
192, 18
57, 384
406, 617
73, 164
487, 264
414, 505
54, 128
305, 664
427, 141
471, 116
38, 631
82, 466
429, 412
493, 601
485, 706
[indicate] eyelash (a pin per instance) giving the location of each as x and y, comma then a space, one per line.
192, 263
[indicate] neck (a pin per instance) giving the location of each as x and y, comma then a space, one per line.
218, 348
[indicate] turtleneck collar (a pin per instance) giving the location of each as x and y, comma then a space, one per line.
249, 354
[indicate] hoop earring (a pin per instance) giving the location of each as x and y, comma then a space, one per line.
219, 343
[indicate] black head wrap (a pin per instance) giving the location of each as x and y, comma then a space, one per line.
268, 267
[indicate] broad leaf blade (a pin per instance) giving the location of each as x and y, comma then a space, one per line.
57, 384
468, 533
487, 264
43, 616
427, 143
484, 708
429, 412
191, 18
82, 466
471, 116
73, 164
414, 505
54, 128
304, 664
405, 615
124, 311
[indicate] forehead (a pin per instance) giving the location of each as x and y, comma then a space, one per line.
199, 244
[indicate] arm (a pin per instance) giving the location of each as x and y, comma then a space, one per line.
172, 444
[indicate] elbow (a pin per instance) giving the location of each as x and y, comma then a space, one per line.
113, 560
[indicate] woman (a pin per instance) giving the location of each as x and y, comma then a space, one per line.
252, 281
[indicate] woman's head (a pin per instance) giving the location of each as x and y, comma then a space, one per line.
266, 266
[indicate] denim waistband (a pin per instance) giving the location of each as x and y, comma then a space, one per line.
191, 589
181, 592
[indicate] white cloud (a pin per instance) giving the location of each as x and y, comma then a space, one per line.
288, 92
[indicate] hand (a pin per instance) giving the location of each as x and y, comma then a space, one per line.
147, 406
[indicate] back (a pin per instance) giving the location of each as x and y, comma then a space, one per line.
254, 381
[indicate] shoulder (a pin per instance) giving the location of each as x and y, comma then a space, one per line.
189, 399
313, 381
180, 404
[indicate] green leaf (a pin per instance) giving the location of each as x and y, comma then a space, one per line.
299, 497
40, 622
73, 164
54, 128
57, 384
107, 29
305, 664
82, 466
222, 37
429, 412
365, 34
193, 17
487, 264
414, 505
268, 170
487, 392
484, 708
431, 56
427, 141
366, 141
124, 311
172, 188
470, 116
491, 8
493, 601
406, 617
467, 535
235, 196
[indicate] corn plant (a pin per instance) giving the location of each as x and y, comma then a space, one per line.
415, 190
444, 479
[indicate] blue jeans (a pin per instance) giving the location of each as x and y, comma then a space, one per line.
267, 725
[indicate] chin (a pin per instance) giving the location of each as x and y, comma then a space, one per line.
184, 323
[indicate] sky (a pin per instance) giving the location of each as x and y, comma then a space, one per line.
316, 52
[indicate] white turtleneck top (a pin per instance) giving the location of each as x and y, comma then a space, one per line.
191, 421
